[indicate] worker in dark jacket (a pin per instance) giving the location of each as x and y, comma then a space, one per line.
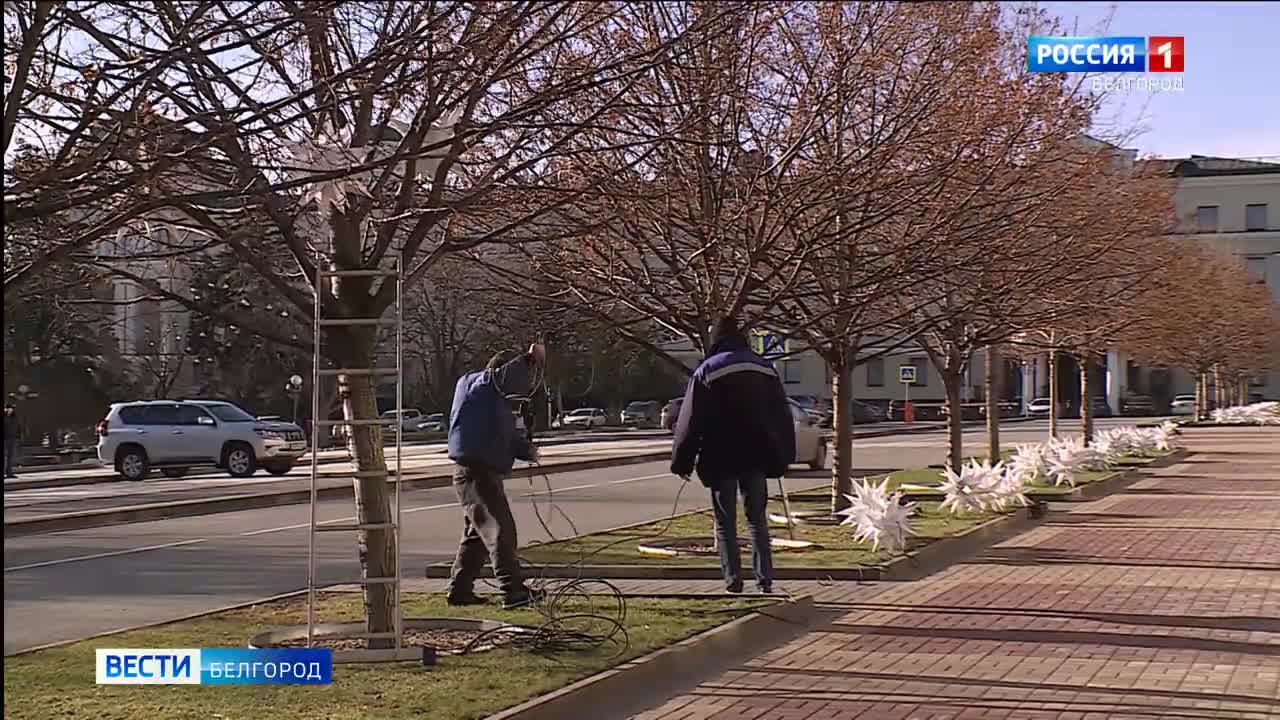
10, 440
736, 429
484, 445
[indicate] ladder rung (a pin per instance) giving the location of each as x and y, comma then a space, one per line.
356, 321
355, 527
359, 273
359, 371
371, 421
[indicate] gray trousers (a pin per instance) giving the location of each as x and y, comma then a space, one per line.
488, 531
10, 456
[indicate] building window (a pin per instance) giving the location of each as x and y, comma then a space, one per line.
875, 372
790, 370
1257, 268
1255, 217
922, 371
1207, 218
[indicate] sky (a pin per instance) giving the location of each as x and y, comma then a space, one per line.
1231, 105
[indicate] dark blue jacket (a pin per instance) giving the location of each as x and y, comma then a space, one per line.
735, 418
482, 428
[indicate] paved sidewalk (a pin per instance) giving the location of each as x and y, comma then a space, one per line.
1160, 602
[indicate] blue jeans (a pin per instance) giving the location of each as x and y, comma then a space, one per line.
724, 502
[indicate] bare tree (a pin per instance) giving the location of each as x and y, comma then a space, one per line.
1212, 317
417, 130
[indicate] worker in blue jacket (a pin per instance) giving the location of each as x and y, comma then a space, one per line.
736, 430
484, 445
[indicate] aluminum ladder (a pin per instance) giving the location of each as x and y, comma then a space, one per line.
398, 652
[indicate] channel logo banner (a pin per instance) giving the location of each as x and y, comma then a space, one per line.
214, 666
1086, 54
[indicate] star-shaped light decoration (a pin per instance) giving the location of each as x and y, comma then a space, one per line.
1029, 463
978, 487
1263, 413
1069, 457
328, 152
877, 516
1113, 444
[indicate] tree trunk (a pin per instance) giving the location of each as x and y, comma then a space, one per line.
1243, 391
1086, 401
1202, 397
1053, 393
995, 366
1219, 390
952, 381
376, 548
842, 427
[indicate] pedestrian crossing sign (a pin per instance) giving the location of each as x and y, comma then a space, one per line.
767, 344
907, 374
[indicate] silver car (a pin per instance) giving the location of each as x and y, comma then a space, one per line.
176, 436
1183, 405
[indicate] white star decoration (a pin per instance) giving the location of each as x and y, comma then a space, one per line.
877, 516
980, 486
1263, 413
331, 152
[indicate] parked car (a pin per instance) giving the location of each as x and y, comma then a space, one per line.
1137, 405
409, 420
1183, 405
866, 413
178, 435
1038, 408
671, 413
642, 414
586, 418
811, 441
435, 422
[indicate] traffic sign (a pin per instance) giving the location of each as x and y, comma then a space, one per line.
907, 374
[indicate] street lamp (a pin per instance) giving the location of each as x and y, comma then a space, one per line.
293, 389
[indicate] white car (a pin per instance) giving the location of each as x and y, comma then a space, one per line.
811, 442
586, 418
409, 420
1183, 405
177, 435
435, 422
1039, 407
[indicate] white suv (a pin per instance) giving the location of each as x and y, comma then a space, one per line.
178, 435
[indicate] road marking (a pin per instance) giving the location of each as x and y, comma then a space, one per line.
97, 556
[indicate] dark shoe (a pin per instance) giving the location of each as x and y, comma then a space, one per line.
766, 589
522, 599
735, 589
464, 600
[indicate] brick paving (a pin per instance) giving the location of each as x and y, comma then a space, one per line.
1159, 602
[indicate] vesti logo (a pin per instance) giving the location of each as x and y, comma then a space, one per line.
1105, 54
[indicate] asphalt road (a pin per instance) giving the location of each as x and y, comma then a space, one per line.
417, 462
72, 584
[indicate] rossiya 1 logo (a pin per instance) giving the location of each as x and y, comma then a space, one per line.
1127, 54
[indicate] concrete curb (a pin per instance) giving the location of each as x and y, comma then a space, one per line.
635, 683
209, 506
144, 626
